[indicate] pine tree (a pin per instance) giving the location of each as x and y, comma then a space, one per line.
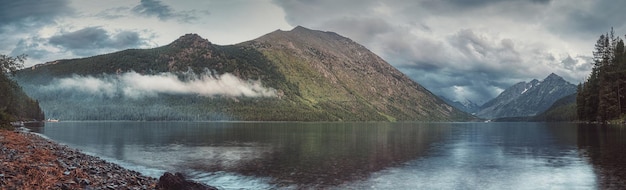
620, 72
591, 92
608, 104
591, 96
580, 100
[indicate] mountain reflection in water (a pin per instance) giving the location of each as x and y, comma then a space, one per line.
361, 155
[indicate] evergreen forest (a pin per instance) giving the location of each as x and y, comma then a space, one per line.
601, 97
14, 103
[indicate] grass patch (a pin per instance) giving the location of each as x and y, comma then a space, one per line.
389, 118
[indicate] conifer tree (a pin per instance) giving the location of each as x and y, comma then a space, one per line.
580, 100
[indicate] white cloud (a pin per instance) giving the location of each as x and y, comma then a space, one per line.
134, 85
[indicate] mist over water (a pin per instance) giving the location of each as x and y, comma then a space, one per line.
252, 155
134, 85
133, 96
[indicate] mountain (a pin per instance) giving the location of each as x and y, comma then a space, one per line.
302, 75
467, 106
563, 109
527, 98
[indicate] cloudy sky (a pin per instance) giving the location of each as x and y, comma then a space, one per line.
462, 49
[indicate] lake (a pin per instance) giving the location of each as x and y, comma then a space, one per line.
292, 155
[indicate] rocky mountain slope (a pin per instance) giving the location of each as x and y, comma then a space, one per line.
527, 98
302, 74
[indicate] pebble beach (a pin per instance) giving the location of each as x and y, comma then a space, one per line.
29, 161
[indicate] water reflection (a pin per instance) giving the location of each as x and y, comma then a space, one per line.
605, 147
363, 155
307, 154
492, 156
331, 154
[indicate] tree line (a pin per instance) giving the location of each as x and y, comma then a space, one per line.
601, 97
14, 103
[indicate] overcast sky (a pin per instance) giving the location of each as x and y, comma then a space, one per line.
462, 49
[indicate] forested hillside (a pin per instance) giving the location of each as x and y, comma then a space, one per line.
601, 97
14, 103
563, 109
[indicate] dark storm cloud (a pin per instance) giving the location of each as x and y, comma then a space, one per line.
595, 19
467, 64
164, 12
396, 42
480, 3
476, 56
465, 85
541, 1
88, 40
31, 13
518, 10
569, 62
366, 27
33, 47
22, 18
414, 51
113, 13
154, 8
489, 54
304, 11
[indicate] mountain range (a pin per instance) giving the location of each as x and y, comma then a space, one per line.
526, 99
297, 75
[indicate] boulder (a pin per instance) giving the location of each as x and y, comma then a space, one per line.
178, 182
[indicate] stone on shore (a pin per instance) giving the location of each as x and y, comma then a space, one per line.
28, 161
177, 181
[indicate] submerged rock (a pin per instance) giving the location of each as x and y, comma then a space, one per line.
178, 182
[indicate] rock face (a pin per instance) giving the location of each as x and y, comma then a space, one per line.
169, 181
318, 76
527, 98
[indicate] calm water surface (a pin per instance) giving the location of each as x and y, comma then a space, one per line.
251, 155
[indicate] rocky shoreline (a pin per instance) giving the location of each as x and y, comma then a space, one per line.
28, 161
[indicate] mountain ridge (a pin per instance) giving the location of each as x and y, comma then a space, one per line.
317, 76
525, 99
